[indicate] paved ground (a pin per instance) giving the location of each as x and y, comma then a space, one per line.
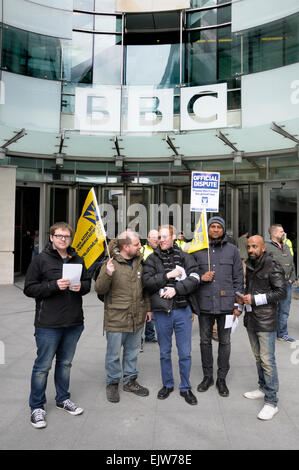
140, 423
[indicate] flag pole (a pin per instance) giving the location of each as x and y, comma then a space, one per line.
206, 227
100, 220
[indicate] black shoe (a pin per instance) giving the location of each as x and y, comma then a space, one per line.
134, 387
112, 393
222, 388
205, 384
189, 397
164, 392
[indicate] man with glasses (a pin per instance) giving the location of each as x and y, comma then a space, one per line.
58, 320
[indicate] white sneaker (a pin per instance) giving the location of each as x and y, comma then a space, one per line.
267, 412
254, 395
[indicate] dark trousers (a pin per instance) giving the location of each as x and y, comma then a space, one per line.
206, 322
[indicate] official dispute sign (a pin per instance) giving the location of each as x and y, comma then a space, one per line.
205, 187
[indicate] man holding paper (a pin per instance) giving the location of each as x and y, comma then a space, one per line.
265, 286
221, 276
58, 318
169, 275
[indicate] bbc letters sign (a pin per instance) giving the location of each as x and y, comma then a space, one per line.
148, 109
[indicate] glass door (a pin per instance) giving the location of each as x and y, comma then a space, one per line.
281, 207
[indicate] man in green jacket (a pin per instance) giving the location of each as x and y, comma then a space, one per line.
282, 254
126, 307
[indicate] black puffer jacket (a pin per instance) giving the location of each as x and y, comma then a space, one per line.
266, 277
55, 308
154, 278
219, 295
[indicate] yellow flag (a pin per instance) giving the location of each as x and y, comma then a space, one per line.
200, 236
90, 234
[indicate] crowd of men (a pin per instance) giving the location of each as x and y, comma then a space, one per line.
162, 286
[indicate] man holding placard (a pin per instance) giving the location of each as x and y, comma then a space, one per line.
58, 319
221, 276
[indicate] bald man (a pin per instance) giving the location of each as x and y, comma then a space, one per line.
265, 286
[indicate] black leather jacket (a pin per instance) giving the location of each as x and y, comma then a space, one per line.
154, 278
266, 277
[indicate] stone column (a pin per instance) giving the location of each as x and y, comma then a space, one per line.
7, 223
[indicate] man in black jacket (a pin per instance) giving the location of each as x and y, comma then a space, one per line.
215, 299
58, 320
169, 275
265, 286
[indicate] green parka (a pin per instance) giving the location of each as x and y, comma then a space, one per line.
125, 302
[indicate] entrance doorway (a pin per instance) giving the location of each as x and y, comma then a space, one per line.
26, 226
281, 207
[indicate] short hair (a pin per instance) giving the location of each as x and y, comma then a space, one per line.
273, 228
62, 225
125, 238
171, 228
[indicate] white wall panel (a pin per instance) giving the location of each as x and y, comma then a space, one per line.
38, 18
250, 13
62, 5
31, 103
270, 96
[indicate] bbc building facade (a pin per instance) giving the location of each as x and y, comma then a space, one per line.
129, 97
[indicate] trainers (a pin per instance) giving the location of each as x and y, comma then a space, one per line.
254, 395
134, 387
286, 338
70, 407
112, 392
38, 418
267, 412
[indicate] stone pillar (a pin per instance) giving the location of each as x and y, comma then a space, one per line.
7, 223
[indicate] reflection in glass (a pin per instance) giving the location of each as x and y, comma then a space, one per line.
107, 59
30, 54
157, 65
77, 54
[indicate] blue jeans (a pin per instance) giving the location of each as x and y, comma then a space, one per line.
59, 342
283, 312
263, 348
131, 344
179, 321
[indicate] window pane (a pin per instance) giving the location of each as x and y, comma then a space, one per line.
108, 23
83, 21
31, 54
77, 58
153, 65
201, 57
107, 59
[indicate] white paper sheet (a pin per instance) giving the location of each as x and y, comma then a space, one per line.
72, 272
229, 323
183, 273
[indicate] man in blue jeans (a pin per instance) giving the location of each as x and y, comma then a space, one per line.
170, 275
58, 320
265, 286
125, 311
282, 254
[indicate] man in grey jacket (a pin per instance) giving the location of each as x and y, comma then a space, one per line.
215, 298
282, 254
